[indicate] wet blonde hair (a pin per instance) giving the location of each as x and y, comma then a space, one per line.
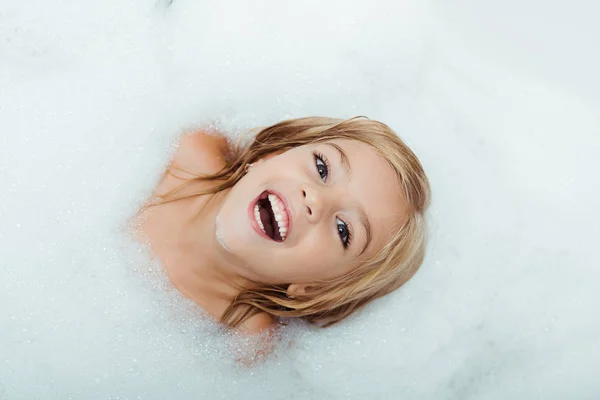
387, 270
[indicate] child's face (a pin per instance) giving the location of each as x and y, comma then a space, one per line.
324, 203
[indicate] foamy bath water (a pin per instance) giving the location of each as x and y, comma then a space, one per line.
500, 103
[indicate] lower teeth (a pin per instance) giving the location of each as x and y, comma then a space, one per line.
260, 224
257, 217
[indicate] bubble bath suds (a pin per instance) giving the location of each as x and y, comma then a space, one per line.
94, 96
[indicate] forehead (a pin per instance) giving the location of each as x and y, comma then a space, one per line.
373, 184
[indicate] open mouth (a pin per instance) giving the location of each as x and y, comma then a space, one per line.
271, 216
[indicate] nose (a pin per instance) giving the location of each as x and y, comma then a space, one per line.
315, 203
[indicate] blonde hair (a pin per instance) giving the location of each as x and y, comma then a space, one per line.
387, 270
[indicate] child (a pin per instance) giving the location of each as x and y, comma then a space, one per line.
313, 218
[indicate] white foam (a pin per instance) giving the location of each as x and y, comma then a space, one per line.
219, 234
94, 96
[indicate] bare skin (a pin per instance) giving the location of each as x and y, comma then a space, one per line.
324, 201
166, 228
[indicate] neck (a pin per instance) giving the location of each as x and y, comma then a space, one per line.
203, 271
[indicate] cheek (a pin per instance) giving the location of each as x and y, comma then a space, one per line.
287, 166
317, 256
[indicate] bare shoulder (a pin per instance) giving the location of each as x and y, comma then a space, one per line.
262, 329
258, 323
201, 152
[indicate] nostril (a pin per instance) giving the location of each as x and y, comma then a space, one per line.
309, 211
303, 193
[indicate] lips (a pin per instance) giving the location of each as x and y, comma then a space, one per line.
262, 197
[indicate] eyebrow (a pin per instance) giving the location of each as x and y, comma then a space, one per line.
361, 212
343, 156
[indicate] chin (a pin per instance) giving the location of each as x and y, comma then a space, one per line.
219, 234
229, 233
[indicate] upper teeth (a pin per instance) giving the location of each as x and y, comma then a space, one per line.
280, 215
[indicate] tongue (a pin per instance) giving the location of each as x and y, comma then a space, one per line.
265, 217
268, 220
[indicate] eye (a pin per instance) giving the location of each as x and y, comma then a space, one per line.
343, 227
322, 165
344, 232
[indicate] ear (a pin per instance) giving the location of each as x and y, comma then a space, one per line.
299, 289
